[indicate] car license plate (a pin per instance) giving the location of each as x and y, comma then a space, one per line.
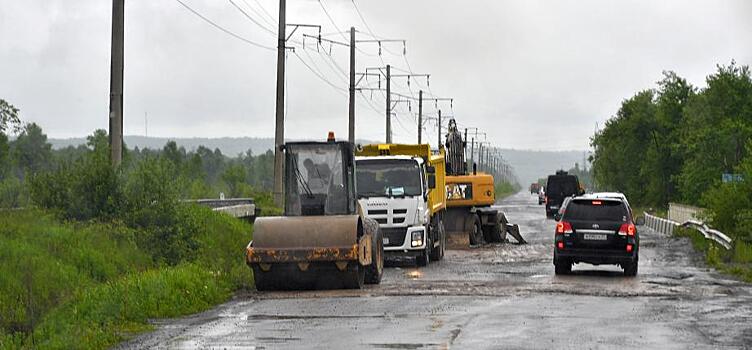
593, 237
386, 240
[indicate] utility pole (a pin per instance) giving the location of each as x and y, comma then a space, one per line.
116, 82
420, 117
464, 149
480, 156
351, 129
472, 152
388, 104
438, 145
279, 129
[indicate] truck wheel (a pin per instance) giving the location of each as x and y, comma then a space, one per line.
376, 269
425, 256
438, 252
631, 269
562, 266
499, 231
476, 232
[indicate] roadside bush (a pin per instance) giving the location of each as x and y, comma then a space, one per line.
12, 193
87, 189
505, 189
729, 205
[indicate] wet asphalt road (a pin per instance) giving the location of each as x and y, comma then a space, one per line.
499, 296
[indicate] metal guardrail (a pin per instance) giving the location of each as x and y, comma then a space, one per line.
660, 224
710, 233
683, 213
666, 226
242, 208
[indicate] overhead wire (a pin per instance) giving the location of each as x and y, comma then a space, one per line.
339, 89
271, 24
225, 30
263, 9
321, 2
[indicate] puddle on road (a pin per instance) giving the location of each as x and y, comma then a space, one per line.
413, 274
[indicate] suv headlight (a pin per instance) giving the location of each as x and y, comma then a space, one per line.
417, 239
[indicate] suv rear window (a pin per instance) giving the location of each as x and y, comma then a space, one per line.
596, 210
565, 185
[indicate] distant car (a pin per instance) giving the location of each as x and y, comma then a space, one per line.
558, 187
541, 195
534, 188
596, 231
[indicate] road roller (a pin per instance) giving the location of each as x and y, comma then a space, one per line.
323, 240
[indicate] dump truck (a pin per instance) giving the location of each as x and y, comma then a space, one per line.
323, 240
470, 218
402, 187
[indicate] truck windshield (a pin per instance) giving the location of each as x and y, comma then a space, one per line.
388, 177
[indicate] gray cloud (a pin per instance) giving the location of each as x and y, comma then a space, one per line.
518, 69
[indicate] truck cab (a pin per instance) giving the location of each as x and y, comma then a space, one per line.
396, 191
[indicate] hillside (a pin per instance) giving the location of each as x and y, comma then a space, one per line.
528, 164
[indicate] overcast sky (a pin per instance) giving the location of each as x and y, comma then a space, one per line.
532, 74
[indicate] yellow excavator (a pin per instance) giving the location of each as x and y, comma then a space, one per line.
323, 240
471, 218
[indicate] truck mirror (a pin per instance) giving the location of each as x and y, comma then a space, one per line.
430, 169
432, 181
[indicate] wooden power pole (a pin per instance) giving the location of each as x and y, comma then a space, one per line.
279, 128
116, 82
420, 117
388, 104
351, 125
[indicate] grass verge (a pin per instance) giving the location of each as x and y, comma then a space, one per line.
505, 189
736, 262
73, 285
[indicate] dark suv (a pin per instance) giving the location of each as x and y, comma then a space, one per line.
558, 187
596, 231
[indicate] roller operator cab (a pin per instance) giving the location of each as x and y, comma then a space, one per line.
596, 231
398, 190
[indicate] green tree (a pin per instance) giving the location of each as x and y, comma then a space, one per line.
718, 124
4, 156
8, 117
234, 177
31, 150
8, 120
619, 146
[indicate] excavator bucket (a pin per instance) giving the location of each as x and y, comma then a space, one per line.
309, 252
514, 231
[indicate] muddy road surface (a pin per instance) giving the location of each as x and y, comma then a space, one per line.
497, 296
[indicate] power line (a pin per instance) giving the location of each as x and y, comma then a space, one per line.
273, 21
339, 89
273, 33
362, 19
226, 31
332, 20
